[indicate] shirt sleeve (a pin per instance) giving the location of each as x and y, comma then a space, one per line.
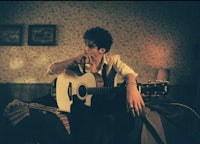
49, 71
122, 68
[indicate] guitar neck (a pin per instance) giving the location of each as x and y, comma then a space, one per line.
143, 89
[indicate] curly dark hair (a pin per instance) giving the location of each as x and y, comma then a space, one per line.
99, 37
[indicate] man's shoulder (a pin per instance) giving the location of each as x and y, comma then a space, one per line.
109, 55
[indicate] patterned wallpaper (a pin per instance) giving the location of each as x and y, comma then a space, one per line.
147, 35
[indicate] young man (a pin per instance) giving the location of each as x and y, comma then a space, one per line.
97, 60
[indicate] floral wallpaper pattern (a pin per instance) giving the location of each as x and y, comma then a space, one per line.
147, 35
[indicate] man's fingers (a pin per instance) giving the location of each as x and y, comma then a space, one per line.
137, 109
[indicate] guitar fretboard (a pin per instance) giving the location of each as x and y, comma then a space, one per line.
105, 90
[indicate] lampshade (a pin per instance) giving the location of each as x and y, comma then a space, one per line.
163, 74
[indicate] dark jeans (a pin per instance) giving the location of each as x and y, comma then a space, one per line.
90, 127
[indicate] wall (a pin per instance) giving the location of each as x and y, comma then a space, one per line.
147, 35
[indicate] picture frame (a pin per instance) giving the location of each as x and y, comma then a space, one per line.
42, 35
11, 34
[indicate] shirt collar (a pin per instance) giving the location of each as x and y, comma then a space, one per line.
104, 61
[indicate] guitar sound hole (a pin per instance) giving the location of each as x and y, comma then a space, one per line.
82, 90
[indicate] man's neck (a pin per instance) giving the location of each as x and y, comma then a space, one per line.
98, 62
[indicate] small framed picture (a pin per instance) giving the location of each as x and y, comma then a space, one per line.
42, 35
11, 35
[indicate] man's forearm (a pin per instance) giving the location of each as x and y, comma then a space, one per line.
130, 79
59, 67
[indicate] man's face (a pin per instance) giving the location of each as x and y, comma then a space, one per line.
91, 49
92, 52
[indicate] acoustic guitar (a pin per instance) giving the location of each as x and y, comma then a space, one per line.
87, 85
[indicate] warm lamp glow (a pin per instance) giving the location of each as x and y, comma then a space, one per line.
163, 75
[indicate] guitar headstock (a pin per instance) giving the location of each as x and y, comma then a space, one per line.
153, 89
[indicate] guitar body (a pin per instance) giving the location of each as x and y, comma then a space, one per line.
62, 89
